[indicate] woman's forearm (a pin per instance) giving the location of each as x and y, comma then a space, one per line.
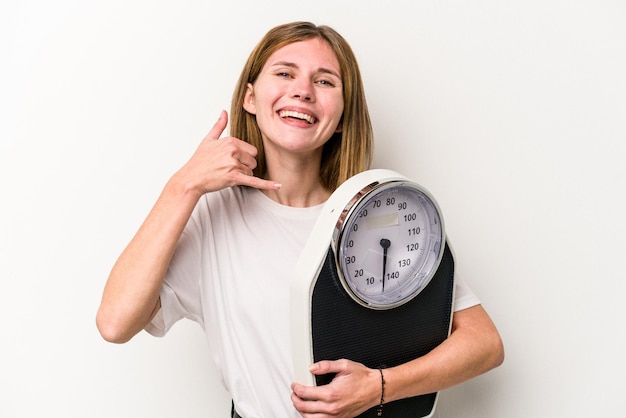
131, 295
474, 347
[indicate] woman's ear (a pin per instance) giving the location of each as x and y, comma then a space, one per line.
340, 126
248, 100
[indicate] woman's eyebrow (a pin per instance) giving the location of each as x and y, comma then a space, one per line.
295, 66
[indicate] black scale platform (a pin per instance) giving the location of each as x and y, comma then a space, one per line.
341, 328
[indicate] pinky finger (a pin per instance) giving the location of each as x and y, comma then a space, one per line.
258, 183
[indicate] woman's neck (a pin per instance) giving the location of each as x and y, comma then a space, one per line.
296, 196
301, 185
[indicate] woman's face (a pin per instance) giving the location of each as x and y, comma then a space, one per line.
297, 98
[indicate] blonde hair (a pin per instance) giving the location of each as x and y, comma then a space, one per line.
347, 152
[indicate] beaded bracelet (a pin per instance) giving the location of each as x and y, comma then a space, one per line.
382, 392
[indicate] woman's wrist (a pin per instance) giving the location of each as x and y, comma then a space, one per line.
382, 392
183, 186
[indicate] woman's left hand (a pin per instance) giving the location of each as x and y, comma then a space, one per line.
354, 390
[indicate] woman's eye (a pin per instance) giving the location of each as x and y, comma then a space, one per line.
326, 83
283, 74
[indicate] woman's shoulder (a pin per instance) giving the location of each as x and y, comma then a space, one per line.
250, 202
236, 195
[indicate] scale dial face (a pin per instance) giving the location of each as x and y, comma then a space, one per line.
389, 243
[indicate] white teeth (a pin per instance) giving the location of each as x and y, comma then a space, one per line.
292, 114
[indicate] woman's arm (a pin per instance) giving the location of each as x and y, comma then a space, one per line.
131, 294
473, 348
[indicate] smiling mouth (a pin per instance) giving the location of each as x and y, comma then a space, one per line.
297, 115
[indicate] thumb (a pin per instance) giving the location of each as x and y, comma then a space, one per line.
219, 126
326, 366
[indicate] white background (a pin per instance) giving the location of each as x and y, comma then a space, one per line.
511, 113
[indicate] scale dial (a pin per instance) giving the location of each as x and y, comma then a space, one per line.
388, 243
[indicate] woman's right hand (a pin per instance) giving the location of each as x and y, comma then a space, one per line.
131, 295
220, 163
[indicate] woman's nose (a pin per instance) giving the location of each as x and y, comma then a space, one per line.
303, 90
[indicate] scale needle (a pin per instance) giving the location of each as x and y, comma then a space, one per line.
385, 243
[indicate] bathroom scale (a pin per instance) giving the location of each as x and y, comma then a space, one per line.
374, 283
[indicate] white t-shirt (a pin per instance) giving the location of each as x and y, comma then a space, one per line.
231, 273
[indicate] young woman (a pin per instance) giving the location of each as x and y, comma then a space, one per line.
221, 241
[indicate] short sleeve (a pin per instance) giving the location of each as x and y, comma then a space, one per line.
180, 291
169, 313
464, 297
